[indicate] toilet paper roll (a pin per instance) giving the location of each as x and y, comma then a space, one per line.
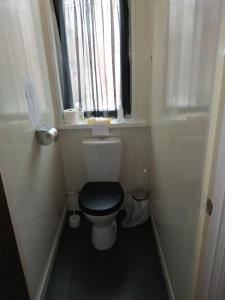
71, 116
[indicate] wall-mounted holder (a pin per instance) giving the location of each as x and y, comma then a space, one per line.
46, 134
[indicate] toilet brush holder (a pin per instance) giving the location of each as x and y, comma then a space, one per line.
74, 221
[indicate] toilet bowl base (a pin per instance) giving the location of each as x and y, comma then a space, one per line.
103, 237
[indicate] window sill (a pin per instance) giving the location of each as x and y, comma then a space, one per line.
114, 124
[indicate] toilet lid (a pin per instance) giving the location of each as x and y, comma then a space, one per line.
101, 198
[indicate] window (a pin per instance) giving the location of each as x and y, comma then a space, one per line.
94, 37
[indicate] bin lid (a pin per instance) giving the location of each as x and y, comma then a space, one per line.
140, 194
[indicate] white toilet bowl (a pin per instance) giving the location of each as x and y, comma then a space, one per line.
104, 230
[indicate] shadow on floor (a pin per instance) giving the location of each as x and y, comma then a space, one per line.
128, 271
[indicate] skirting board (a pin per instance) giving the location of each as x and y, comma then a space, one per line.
40, 295
163, 262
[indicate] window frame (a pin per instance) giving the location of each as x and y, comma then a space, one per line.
127, 103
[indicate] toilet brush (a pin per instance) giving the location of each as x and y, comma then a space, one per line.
74, 219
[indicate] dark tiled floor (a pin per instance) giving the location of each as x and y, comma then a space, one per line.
129, 271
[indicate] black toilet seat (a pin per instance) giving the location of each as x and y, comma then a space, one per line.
101, 198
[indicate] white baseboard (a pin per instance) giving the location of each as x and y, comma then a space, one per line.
40, 295
163, 262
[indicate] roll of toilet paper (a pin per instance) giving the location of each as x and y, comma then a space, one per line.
71, 116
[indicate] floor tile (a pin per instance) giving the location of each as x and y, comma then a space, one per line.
140, 284
130, 270
93, 257
59, 284
93, 283
136, 248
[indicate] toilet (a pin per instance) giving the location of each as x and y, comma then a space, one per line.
102, 196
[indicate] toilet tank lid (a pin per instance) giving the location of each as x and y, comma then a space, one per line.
102, 140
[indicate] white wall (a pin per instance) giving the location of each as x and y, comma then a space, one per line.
32, 175
177, 163
178, 144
